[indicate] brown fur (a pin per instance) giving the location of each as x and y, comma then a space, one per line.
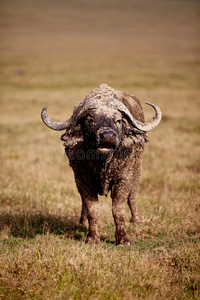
119, 172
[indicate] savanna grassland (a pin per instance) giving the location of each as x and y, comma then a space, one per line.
53, 53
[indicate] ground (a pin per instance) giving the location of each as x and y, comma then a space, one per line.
53, 53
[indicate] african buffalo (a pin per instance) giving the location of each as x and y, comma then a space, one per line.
104, 141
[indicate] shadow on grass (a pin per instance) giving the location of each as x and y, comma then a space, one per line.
29, 224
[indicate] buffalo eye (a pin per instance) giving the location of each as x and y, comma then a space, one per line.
90, 120
118, 122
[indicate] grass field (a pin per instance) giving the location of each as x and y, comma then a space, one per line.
53, 53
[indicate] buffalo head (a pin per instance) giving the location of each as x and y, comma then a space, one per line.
100, 124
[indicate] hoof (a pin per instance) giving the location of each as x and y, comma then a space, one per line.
123, 242
121, 237
135, 221
92, 239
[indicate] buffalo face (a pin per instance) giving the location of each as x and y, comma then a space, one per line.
102, 132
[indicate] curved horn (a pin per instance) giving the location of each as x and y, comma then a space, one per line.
143, 127
93, 103
79, 110
52, 124
156, 119
151, 125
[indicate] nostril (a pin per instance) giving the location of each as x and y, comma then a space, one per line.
107, 135
114, 135
101, 136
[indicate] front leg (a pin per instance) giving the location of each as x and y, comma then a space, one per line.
133, 196
90, 211
119, 200
92, 205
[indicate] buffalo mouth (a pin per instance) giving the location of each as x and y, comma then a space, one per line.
107, 141
106, 148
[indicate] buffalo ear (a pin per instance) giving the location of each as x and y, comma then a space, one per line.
72, 136
133, 135
127, 128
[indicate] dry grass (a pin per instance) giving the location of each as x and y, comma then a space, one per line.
53, 53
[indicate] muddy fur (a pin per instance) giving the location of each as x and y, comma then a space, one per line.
118, 172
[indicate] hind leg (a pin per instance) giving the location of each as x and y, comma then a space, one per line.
84, 214
133, 195
132, 203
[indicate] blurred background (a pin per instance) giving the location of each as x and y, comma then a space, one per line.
131, 44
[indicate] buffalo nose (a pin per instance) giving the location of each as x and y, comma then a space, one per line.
107, 136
